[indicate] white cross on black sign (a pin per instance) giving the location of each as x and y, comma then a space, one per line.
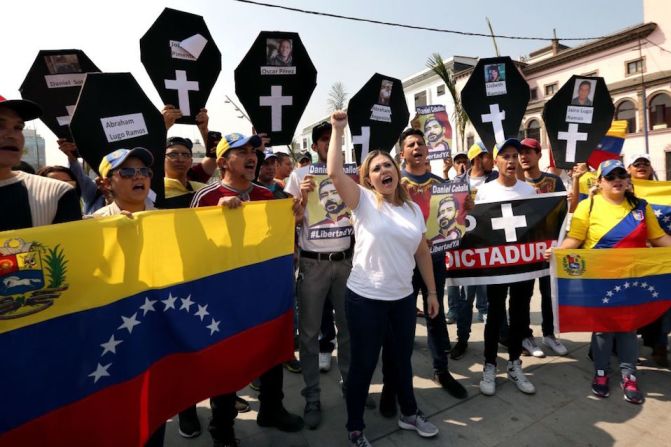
509, 222
183, 86
571, 137
496, 117
363, 140
276, 101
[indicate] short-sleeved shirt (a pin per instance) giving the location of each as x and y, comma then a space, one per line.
387, 238
590, 226
28, 200
547, 182
210, 195
495, 191
293, 187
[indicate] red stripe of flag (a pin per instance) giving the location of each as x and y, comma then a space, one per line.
610, 318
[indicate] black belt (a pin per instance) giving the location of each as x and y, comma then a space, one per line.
333, 256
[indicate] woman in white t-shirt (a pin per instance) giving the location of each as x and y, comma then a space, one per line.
389, 231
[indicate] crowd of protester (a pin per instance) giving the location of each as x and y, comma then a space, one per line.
357, 293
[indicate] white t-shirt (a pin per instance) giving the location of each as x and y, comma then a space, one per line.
387, 238
293, 187
494, 191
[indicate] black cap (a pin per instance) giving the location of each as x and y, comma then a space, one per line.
173, 141
25, 108
319, 130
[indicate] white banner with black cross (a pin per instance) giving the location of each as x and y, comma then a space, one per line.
505, 241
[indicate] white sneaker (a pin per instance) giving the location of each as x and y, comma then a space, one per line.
324, 361
529, 345
488, 382
558, 347
516, 374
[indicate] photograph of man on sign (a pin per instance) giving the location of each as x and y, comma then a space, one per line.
583, 93
280, 52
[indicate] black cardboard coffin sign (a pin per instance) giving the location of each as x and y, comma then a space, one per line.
182, 61
377, 114
495, 98
114, 113
576, 118
54, 81
274, 82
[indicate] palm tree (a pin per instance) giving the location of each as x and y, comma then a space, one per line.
437, 64
337, 97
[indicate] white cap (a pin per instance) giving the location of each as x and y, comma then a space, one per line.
630, 159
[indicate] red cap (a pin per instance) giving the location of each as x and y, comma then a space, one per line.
26, 109
531, 143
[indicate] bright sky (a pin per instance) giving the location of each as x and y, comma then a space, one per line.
346, 51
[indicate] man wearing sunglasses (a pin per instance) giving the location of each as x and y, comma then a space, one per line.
126, 174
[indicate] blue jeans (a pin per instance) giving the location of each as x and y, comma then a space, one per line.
370, 322
466, 296
436, 328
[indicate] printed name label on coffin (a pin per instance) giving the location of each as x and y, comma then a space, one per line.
65, 80
124, 127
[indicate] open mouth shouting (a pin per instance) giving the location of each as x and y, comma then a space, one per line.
139, 186
387, 179
10, 148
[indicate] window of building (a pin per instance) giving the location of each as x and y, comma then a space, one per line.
534, 94
551, 89
470, 141
440, 91
634, 67
660, 111
533, 130
420, 99
626, 110
305, 143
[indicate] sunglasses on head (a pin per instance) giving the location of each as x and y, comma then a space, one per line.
641, 164
618, 176
131, 172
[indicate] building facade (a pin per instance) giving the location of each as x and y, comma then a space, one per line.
34, 149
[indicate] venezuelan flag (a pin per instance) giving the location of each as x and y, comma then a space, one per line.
611, 290
109, 327
658, 195
610, 146
587, 180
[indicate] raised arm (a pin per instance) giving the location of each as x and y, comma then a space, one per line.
346, 187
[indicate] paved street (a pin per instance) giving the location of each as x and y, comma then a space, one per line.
563, 411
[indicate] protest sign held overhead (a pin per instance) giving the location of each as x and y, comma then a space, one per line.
182, 61
435, 124
114, 113
328, 217
377, 114
446, 223
576, 118
54, 81
495, 98
506, 241
274, 82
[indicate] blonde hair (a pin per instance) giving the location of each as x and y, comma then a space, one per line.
401, 196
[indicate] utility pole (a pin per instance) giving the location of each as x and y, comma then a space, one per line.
491, 31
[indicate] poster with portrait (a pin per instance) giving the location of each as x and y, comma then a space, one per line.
495, 79
279, 53
327, 215
446, 224
435, 124
576, 119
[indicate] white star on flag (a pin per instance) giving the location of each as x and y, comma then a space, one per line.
651, 288
635, 283
110, 346
186, 303
618, 288
609, 293
101, 371
213, 326
202, 312
658, 212
148, 306
666, 218
626, 285
644, 284
129, 323
169, 302
655, 295
605, 301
